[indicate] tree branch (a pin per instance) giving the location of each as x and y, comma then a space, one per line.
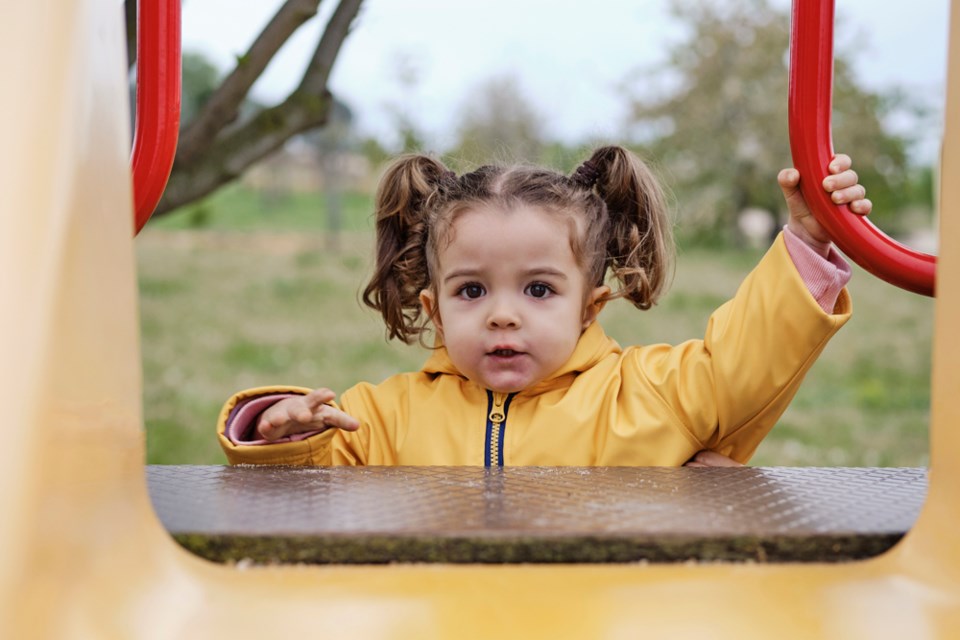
232, 151
224, 105
318, 71
239, 148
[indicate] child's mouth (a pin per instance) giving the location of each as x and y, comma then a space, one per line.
505, 353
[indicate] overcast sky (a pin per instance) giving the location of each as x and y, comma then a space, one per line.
569, 56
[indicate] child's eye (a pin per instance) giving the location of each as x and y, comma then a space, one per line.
471, 290
539, 290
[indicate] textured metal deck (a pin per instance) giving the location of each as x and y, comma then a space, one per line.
535, 514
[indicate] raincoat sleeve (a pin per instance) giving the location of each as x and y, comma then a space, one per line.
379, 409
235, 427
241, 446
728, 390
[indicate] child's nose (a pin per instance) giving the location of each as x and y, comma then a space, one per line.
503, 316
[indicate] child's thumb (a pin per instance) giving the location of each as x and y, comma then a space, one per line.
789, 181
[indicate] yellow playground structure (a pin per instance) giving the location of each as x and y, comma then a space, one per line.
83, 555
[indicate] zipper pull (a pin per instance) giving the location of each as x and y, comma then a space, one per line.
496, 412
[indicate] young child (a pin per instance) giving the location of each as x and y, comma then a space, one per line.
509, 266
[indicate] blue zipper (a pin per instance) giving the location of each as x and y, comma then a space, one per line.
497, 407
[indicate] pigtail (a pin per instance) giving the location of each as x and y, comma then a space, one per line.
403, 198
639, 241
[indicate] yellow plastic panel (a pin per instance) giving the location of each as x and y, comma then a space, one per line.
82, 554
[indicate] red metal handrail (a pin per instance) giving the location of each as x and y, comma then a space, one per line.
158, 103
811, 142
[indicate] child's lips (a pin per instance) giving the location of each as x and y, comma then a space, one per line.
504, 352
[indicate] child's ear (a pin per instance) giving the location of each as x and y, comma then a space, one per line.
595, 303
429, 303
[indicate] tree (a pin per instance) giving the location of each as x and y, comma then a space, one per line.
218, 144
720, 125
498, 124
199, 79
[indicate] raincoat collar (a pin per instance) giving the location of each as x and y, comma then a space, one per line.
593, 346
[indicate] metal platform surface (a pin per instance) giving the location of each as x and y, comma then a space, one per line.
535, 514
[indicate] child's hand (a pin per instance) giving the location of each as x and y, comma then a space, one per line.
304, 413
707, 458
842, 186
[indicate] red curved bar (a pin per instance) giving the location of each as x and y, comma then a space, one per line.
811, 143
158, 103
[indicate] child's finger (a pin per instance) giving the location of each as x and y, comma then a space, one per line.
319, 397
300, 412
841, 162
273, 425
850, 194
841, 180
788, 179
278, 420
707, 458
861, 207
333, 417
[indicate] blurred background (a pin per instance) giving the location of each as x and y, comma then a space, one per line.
250, 269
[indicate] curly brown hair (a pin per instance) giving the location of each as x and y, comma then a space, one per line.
617, 210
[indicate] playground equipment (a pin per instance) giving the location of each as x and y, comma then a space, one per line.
158, 104
82, 554
811, 86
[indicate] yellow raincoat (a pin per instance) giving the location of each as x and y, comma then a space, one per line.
643, 405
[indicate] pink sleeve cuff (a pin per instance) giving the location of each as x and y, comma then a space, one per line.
825, 277
242, 421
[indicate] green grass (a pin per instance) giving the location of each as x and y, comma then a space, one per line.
223, 309
236, 207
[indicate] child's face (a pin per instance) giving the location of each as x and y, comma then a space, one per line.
511, 301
